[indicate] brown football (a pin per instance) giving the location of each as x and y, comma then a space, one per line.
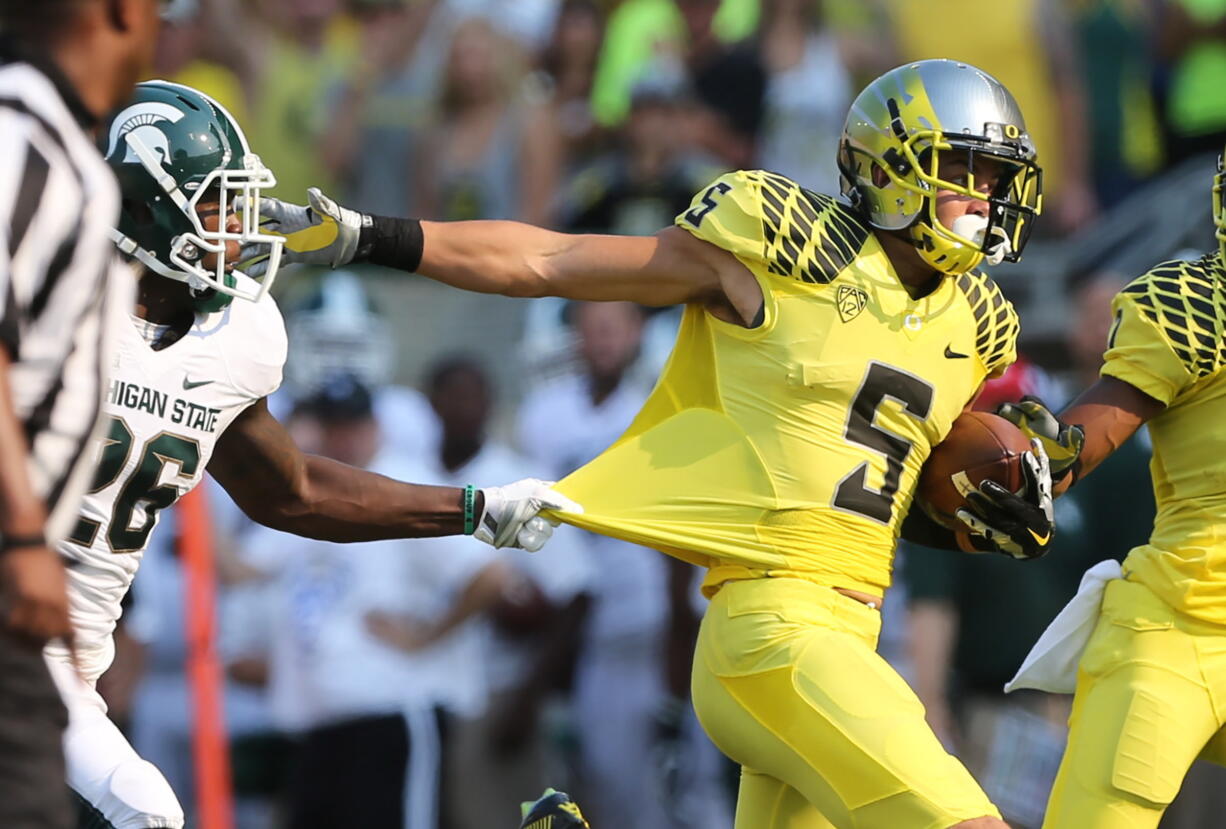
980, 445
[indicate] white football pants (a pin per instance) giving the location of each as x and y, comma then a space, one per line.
102, 767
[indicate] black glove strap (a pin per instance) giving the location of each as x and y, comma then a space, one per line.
393, 243
1074, 470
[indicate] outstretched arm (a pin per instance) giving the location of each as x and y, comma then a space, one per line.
280, 486
516, 259
521, 260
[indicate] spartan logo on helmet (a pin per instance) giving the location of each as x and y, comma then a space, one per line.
140, 120
174, 149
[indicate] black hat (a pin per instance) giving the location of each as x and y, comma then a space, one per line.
341, 396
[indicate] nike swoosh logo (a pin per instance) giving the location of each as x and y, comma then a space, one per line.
1042, 539
189, 384
953, 355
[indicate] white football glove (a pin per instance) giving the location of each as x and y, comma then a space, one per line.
510, 516
323, 233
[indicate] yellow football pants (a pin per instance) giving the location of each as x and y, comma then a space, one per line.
1151, 697
787, 683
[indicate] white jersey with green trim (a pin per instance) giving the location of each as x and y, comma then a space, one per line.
164, 411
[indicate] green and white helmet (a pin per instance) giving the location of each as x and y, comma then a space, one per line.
904, 124
172, 148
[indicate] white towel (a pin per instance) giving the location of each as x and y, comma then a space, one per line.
1052, 663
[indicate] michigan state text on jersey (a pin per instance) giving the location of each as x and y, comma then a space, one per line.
827, 345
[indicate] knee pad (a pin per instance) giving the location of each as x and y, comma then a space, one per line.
1139, 771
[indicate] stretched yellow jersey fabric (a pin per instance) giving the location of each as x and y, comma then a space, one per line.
793, 449
1168, 342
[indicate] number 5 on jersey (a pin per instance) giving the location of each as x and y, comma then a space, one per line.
695, 215
915, 396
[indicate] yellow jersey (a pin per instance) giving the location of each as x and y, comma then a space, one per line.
793, 448
1167, 341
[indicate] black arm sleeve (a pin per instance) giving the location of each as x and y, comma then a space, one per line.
918, 528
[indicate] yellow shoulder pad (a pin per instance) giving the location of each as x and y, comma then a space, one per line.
1168, 327
996, 323
768, 219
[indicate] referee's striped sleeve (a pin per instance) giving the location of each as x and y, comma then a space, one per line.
41, 201
58, 204
12, 164
29, 193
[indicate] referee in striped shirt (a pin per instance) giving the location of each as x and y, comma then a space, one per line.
63, 65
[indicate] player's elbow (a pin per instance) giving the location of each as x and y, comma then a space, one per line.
289, 511
528, 281
544, 268
275, 516
519, 278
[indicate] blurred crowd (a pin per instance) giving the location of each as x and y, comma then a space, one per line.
606, 115
477, 677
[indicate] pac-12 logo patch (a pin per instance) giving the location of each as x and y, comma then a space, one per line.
851, 302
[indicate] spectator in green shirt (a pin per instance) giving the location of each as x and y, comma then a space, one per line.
1193, 39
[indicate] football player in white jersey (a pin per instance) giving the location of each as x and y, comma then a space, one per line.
187, 389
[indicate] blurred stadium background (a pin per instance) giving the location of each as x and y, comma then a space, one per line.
503, 674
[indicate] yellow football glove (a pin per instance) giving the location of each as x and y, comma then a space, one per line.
323, 233
552, 810
1061, 441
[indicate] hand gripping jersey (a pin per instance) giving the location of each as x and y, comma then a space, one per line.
793, 448
1169, 341
164, 411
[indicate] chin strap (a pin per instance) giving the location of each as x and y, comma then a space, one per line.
200, 290
129, 247
153, 166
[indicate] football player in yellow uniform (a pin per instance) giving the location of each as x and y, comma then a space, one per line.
1151, 687
827, 345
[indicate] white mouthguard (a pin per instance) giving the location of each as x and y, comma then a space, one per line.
973, 227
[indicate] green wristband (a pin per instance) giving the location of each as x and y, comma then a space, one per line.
470, 507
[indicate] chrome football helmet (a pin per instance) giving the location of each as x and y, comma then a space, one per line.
904, 124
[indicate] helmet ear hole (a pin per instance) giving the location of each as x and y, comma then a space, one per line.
880, 177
